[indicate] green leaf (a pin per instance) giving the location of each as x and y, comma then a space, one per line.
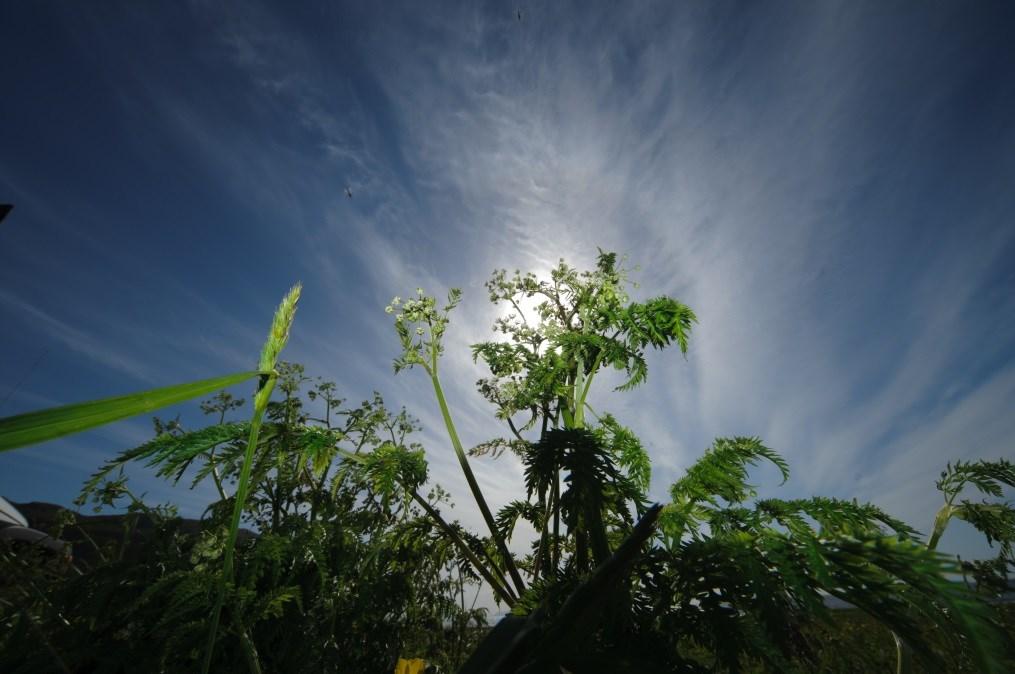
35, 427
171, 453
658, 322
391, 466
835, 516
627, 449
722, 471
989, 477
996, 521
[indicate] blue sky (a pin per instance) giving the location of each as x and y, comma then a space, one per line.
828, 185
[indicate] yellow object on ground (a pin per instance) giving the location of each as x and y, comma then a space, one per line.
412, 666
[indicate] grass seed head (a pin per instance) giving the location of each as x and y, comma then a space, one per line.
280, 326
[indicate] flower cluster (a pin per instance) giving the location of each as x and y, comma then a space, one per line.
421, 325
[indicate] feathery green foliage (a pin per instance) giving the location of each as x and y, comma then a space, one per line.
172, 452
627, 450
582, 323
306, 590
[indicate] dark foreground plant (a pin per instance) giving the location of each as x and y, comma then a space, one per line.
345, 574
355, 564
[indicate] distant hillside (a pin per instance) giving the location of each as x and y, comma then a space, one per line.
103, 529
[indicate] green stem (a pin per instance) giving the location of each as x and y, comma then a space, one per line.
940, 524
903, 654
249, 650
91, 540
581, 404
216, 478
318, 490
497, 583
502, 591
471, 479
577, 412
544, 534
260, 405
555, 559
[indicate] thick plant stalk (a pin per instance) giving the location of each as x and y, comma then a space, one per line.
532, 644
277, 339
473, 484
579, 387
940, 524
903, 653
580, 403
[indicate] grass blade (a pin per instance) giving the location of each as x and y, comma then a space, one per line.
35, 427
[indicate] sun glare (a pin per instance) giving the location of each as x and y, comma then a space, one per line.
526, 312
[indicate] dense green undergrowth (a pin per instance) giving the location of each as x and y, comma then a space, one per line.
356, 561
340, 576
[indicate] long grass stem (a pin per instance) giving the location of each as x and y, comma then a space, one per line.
501, 590
277, 338
477, 493
263, 394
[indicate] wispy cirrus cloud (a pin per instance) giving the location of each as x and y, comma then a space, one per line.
76, 339
757, 192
